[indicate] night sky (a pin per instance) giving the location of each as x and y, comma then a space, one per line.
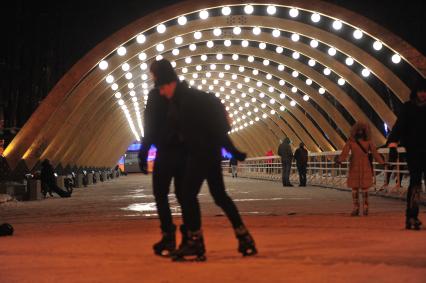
43, 39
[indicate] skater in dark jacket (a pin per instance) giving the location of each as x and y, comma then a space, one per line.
410, 130
48, 180
202, 124
160, 130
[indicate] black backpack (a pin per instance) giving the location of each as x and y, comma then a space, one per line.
6, 229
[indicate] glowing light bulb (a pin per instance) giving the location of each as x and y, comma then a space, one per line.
161, 28
141, 38
182, 20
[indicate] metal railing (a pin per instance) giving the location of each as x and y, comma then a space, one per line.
323, 171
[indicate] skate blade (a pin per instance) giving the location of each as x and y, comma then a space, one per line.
189, 258
164, 253
249, 252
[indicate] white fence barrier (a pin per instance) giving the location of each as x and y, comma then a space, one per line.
323, 171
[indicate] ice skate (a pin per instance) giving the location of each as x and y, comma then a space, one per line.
192, 249
355, 202
413, 224
412, 212
166, 245
246, 245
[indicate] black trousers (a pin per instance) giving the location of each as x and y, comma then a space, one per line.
302, 174
416, 162
286, 169
168, 165
198, 169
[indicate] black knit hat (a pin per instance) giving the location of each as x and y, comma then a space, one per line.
163, 72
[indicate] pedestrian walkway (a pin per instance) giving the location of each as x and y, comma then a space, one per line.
104, 233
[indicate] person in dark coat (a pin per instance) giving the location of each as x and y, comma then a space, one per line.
160, 130
410, 130
202, 124
301, 157
284, 150
48, 180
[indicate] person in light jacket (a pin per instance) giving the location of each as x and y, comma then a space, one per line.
360, 176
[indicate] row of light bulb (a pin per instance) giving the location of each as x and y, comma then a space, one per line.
295, 37
280, 67
251, 90
271, 10
377, 45
255, 72
129, 119
349, 61
123, 106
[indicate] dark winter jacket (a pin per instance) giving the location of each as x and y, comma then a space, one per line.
160, 125
202, 120
301, 156
47, 174
410, 127
160, 122
284, 150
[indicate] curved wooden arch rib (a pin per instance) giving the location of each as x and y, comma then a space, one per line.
256, 134
110, 137
80, 124
254, 149
103, 130
241, 143
80, 149
271, 136
97, 111
259, 141
27, 135
118, 148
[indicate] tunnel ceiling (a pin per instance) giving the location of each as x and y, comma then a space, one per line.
302, 69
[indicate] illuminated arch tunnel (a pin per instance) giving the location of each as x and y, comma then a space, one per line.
303, 69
